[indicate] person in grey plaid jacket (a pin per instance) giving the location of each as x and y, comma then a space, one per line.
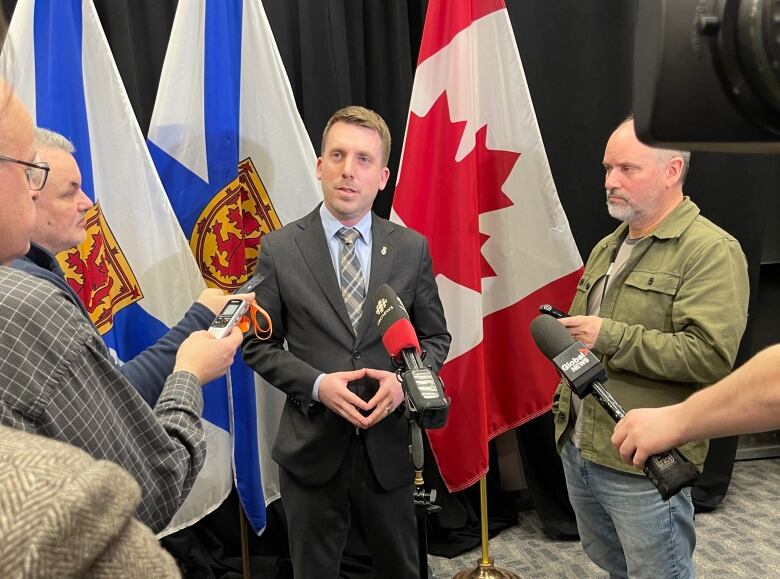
61, 226
58, 379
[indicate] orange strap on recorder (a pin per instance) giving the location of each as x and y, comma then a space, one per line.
251, 321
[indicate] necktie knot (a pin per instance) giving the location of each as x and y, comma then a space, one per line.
348, 235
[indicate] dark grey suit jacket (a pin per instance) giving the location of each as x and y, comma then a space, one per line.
302, 295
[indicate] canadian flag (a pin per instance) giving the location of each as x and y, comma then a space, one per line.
474, 179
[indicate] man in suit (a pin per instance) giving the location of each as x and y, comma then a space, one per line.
344, 458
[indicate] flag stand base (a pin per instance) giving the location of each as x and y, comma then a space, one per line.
485, 568
486, 571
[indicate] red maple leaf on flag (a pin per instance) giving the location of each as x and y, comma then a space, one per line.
472, 186
444, 199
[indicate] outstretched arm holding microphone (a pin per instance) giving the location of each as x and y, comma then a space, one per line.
669, 472
748, 400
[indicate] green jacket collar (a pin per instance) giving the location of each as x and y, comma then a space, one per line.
671, 227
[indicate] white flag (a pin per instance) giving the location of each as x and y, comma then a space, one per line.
236, 163
135, 272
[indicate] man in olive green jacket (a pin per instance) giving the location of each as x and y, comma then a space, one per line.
663, 303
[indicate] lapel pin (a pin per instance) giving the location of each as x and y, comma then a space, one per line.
384, 250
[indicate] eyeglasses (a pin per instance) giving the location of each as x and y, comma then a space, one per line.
36, 173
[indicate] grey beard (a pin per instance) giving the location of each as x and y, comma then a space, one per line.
620, 212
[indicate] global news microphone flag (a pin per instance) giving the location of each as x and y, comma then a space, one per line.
474, 179
134, 272
236, 162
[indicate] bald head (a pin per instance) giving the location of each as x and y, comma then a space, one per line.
643, 184
662, 155
17, 216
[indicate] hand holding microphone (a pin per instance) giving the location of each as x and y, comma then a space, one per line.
646, 431
669, 471
206, 356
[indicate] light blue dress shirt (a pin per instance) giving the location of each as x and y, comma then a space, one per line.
331, 225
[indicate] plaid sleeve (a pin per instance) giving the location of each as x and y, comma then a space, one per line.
58, 379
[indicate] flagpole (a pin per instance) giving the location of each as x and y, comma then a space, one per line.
247, 572
242, 522
485, 568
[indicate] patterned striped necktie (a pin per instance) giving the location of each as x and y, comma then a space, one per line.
353, 288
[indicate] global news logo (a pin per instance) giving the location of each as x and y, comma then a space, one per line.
577, 362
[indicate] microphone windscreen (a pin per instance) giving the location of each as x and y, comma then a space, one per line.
400, 336
550, 335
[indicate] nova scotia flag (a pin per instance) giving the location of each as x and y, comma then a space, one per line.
60, 64
236, 162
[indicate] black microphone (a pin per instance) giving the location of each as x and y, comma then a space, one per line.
423, 389
669, 471
251, 284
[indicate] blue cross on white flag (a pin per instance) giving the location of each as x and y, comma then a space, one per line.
236, 162
60, 64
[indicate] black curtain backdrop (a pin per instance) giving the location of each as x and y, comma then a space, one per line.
578, 61
577, 58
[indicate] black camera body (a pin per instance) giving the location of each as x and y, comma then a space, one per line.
707, 75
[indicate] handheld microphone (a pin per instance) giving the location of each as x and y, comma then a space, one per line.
552, 311
423, 389
250, 285
669, 471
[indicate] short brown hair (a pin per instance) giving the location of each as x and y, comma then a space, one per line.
362, 117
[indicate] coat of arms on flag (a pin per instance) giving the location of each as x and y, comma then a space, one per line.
236, 162
99, 273
226, 236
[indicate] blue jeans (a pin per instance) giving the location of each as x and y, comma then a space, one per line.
625, 526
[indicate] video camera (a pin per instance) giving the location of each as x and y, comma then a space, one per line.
707, 75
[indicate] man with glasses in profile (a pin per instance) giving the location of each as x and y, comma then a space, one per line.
61, 225
57, 378
17, 211
37, 172
64, 513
